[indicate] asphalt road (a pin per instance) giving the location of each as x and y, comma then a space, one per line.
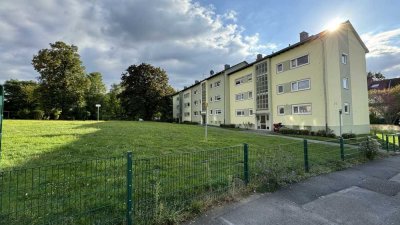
362, 195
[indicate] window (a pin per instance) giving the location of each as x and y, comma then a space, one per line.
239, 112
301, 109
303, 60
187, 114
195, 92
280, 89
238, 81
217, 84
218, 112
346, 108
346, 83
279, 68
211, 111
249, 77
239, 97
300, 85
281, 110
344, 58
186, 105
196, 113
217, 98
251, 112
195, 102
250, 94
211, 85
211, 99
186, 95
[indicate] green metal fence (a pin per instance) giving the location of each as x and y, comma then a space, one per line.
121, 190
389, 141
130, 190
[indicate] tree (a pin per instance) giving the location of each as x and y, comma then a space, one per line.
144, 87
95, 93
112, 108
376, 75
62, 78
385, 103
21, 98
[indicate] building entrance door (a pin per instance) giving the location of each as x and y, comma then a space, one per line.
263, 122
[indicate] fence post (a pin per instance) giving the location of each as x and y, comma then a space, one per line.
246, 163
306, 168
387, 142
341, 148
129, 203
394, 142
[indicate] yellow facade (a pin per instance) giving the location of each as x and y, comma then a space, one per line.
247, 103
309, 83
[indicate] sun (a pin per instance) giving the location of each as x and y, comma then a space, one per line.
333, 24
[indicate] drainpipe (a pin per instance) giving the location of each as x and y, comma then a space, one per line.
324, 80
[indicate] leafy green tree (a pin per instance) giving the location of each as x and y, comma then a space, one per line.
112, 108
144, 87
376, 75
95, 94
62, 78
21, 98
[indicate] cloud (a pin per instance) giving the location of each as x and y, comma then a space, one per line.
185, 38
384, 52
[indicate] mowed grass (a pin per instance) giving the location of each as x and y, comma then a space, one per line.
175, 170
32, 143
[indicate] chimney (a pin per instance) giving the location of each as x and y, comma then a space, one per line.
227, 66
259, 57
196, 82
303, 36
211, 72
184, 87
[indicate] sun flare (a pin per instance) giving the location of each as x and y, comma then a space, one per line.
334, 24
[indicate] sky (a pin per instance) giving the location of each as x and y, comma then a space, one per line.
185, 38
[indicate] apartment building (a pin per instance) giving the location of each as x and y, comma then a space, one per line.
303, 86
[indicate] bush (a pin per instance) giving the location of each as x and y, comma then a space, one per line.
304, 132
190, 122
38, 114
24, 114
369, 148
55, 114
285, 130
227, 125
324, 133
348, 135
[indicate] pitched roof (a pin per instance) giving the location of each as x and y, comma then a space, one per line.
383, 84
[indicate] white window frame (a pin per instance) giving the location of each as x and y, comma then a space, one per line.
218, 111
345, 81
300, 113
217, 98
195, 92
248, 94
195, 113
240, 81
240, 110
251, 112
195, 102
344, 58
279, 111
217, 84
277, 89
296, 66
348, 108
249, 77
240, 94
297, 85
211, 99
277, 66
211, 112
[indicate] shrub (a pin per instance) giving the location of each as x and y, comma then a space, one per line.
24, 114
55, 114
227, 125
324, 133
348, 135
285, 130
38, 114
304, 132
369, 148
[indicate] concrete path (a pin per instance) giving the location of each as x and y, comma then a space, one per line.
363, 195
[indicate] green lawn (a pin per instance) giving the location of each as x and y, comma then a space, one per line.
75, 172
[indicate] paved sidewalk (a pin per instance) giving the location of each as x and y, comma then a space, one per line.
364, 195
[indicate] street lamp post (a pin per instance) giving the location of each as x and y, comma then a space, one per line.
340, 122
98, 111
